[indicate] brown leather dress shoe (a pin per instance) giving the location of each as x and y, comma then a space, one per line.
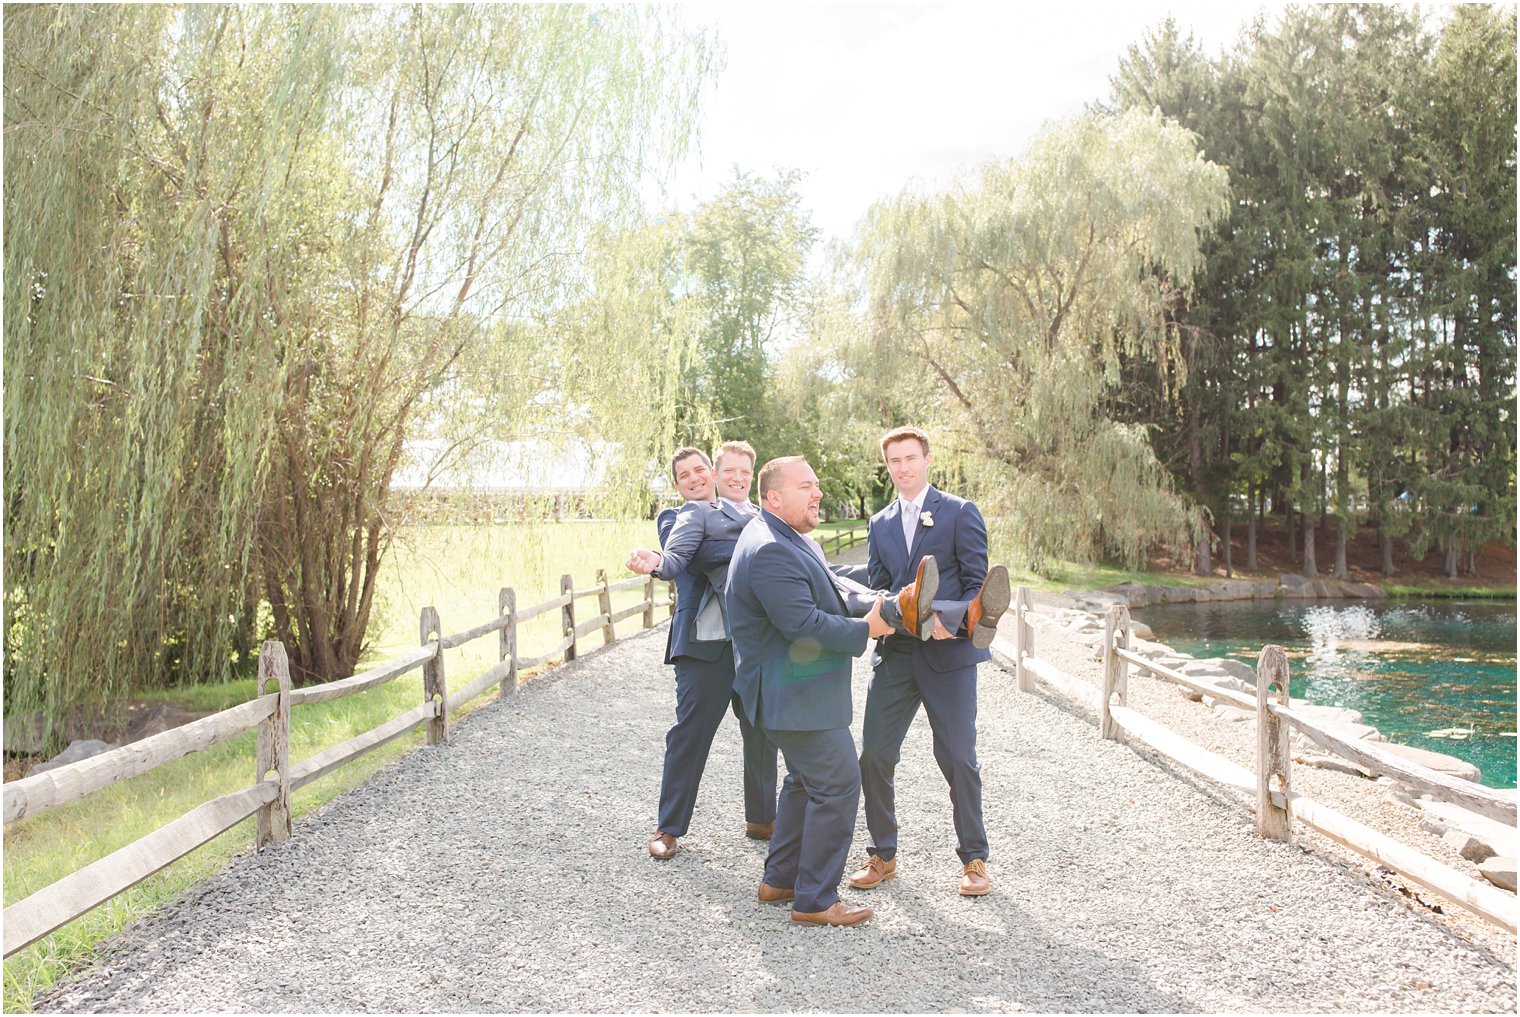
874, 873
975, 882
991, 601
662, 846
837, 914
759, 831
774, 894
914, 600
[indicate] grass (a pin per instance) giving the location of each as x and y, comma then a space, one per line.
1441, 590
1072, 576
457, 570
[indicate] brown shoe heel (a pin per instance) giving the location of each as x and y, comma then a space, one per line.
989, 606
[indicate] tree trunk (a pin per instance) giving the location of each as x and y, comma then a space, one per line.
1385, 546
1229, 568
1251, 529
1451, 558
1293, 555
1340, 548
1309, 569
1203, 562
321, 538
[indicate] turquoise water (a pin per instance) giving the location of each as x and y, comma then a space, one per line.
1438, 675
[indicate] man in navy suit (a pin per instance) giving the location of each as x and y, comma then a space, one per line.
793, 640
939, 674
698, 541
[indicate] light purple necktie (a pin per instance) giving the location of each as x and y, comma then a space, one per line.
910, 522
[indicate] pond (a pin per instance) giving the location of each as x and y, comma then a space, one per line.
1438, 675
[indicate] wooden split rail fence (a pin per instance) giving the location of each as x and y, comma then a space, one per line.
275, 778
842, 540
1277, 804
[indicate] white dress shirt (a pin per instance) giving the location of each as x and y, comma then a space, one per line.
744, 508
910, 517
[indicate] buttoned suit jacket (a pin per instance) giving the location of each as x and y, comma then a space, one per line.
958, 541
793, 636
697, 541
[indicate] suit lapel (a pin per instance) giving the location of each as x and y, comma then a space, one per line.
781, 529
891, 542
931, 502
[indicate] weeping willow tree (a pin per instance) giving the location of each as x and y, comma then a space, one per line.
140, 380
624, 352
1004, 306
672, 343
246, 249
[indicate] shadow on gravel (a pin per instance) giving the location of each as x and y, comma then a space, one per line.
944, 953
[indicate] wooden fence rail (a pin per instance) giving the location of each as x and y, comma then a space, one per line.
275, 778
845, 538
1277, 805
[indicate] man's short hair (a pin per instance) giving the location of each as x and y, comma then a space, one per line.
686, 453
903, 434
770, 472
737, 448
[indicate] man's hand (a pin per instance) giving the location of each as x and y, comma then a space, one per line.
940, 632
643, 562
878, 627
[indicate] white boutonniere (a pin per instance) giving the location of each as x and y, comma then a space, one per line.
926, 518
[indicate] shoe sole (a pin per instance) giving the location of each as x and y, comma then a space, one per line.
778, 900
996, 596
838, 925
927, 588
976, 893
871, 886
756, 836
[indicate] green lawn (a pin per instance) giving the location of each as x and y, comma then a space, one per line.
1442, 590
458, 570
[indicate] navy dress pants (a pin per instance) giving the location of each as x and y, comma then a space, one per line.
949, 698
815, 819
704, 692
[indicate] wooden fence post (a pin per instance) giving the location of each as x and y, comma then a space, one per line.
670, 594
1115, 670
434, 689
604, 603
272, 822
649, 602
1273, 758
1126, 641
567, 615
506, 602
1023, 643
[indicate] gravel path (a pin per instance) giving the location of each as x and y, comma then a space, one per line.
507, 872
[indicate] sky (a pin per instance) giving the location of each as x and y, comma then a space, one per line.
866, 99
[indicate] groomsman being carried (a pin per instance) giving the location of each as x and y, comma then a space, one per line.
939, 674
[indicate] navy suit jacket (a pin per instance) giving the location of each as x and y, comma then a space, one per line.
698, 541
793, 637
958, 541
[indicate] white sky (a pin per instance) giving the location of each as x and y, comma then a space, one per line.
865, 99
